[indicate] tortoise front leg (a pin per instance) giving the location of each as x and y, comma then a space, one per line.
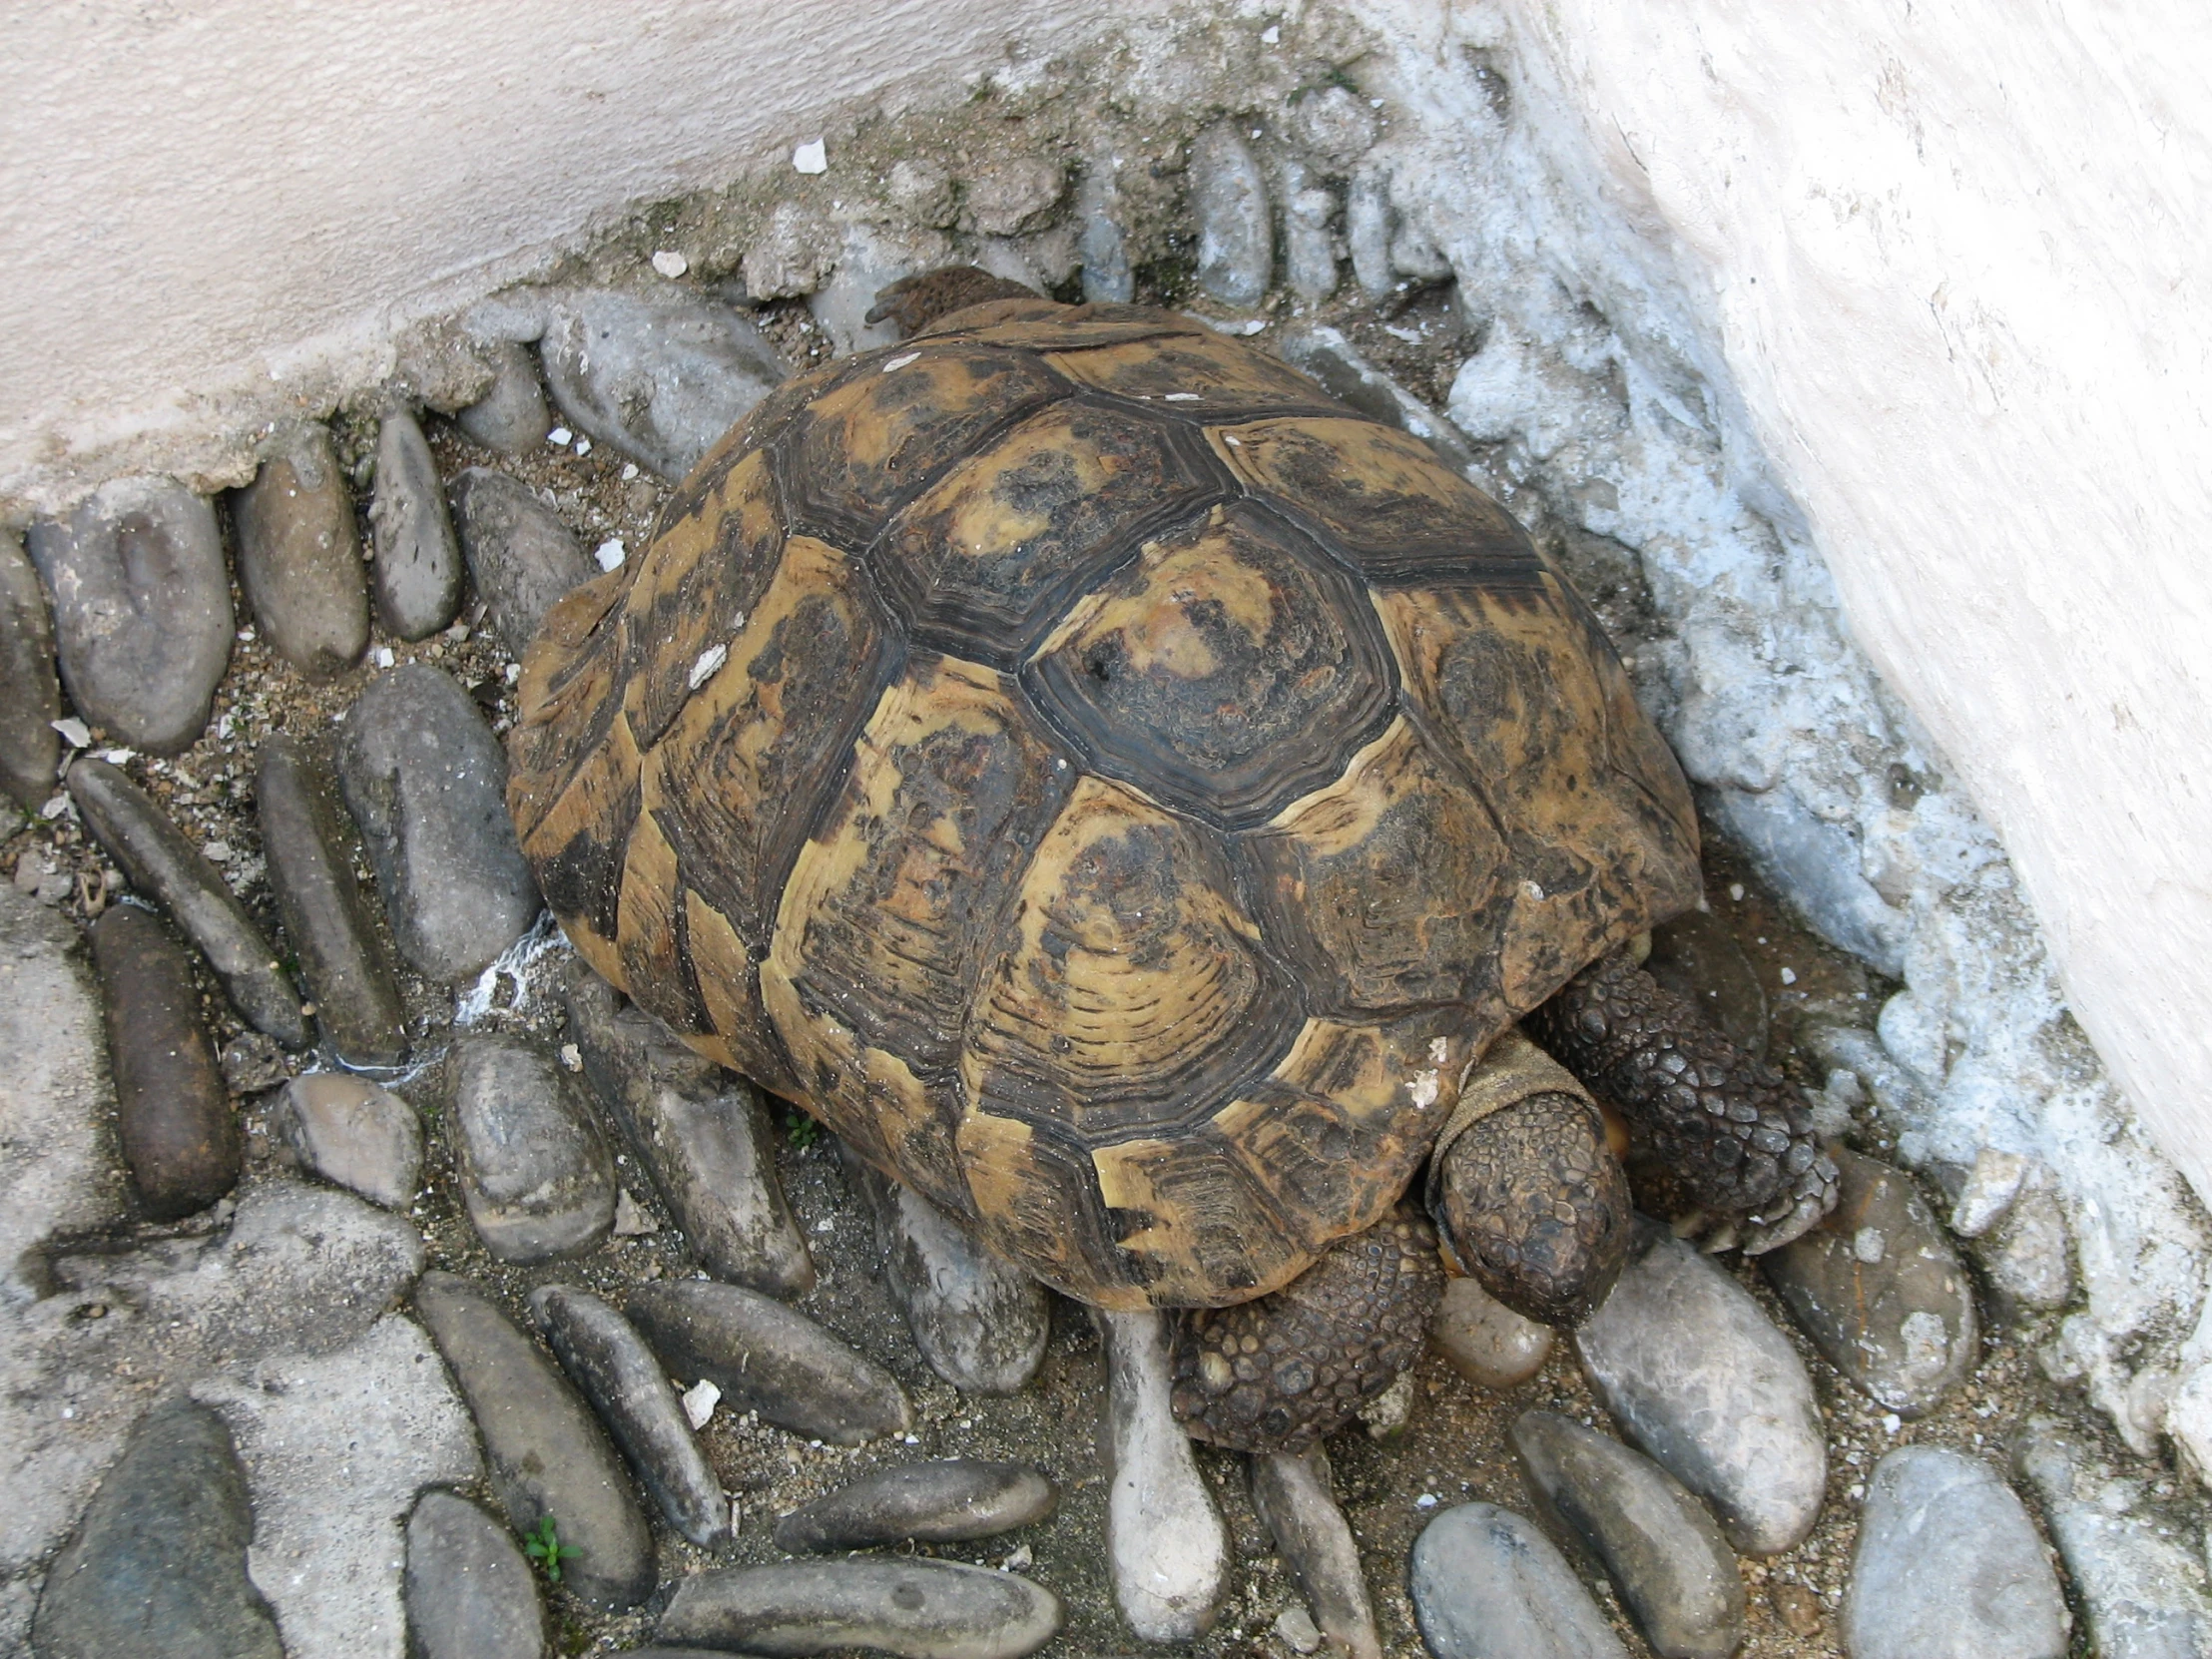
1733, 1132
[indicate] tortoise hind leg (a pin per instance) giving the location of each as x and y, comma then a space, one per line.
911, 303
1735, 1134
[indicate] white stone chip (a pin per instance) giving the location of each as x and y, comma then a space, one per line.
708, 663
699, 1401
55, 807
812, 157
559, 437
671, 265
74, 732
901, 360
1272, 35
1021, 1560
1990, 1188
385, 657
118, 756
631, 1221
1789, 976
610, 553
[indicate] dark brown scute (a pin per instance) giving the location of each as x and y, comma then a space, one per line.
1232, 669
1194, 376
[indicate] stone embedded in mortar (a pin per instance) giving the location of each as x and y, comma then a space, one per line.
701, 1134
922, 191
1293, 1497
795, 250
1697, 1376
1879, 1291
415, 571
545, 1453
918, 1609
1236, 229
1309, 242
1335, 123
1486, 1585
1485, 1341
873, 257
511, 416
660, 376
470, 1594
347, 1130
521, 556
164, 866
1367, 217
981, 1323
769, 1359
142, 609
158, 1565
427, 784
1005, 195
944, 1500
180, 1138
1166, 1544
300, 557
533, 1171
1100, 244
307, 842
30, 695
618, 1374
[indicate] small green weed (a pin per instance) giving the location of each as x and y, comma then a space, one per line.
544, 1548
802, 1130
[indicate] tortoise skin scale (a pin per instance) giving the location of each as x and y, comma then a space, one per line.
1113, 785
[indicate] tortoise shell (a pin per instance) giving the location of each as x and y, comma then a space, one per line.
1116, 788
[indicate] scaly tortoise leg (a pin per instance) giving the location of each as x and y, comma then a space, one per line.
1733, 1133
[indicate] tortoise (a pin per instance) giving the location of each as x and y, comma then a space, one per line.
1131, 797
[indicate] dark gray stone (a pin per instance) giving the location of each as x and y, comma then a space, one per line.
619, 1375
306, 838
1236, 229
348, 1131
937, 1503
1672, 1568
300, 556
142, 609
545, 1453
30, 695
912, 1609
469, 1591
1325, 354
1486, 1585
1165, 1542
982, 1324
1879, 1291
180, 1138
1949, 1566
512, 416
157, 1569
1698, 1379
415, 574
769, 1359
534, 1170
521, 556
1697, 955
660, 377
1294, 1499
700, 1133
427, 784
164, 866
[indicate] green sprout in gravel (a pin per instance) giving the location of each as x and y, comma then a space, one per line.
802, 1130
546, 1549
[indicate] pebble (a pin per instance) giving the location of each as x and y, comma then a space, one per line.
299, 558
1291, 1495
700, 1133
2145, 1594
1486, 1585
918, 1610
1295, 1629
794, 253
1368, 232
922, 191
415, 575
658, 378
1669, 1563
427, 784
1335, 123
1099, 243
1699, 1379
1697, 956
1166, 1544
1325, 354
626, 1386
511, 417
520, 555
534, 1170
180, 1138
469, 1591
545, 1453
347, 1130
938, 1502
30, 695
164, 866
142, 609
1235, 232
157, 1566
1485, 1341
2027, 1252
769, 1359
982, 1324
1009, 195
306, 839
1879, 1291
1949, 1566
1309, 242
